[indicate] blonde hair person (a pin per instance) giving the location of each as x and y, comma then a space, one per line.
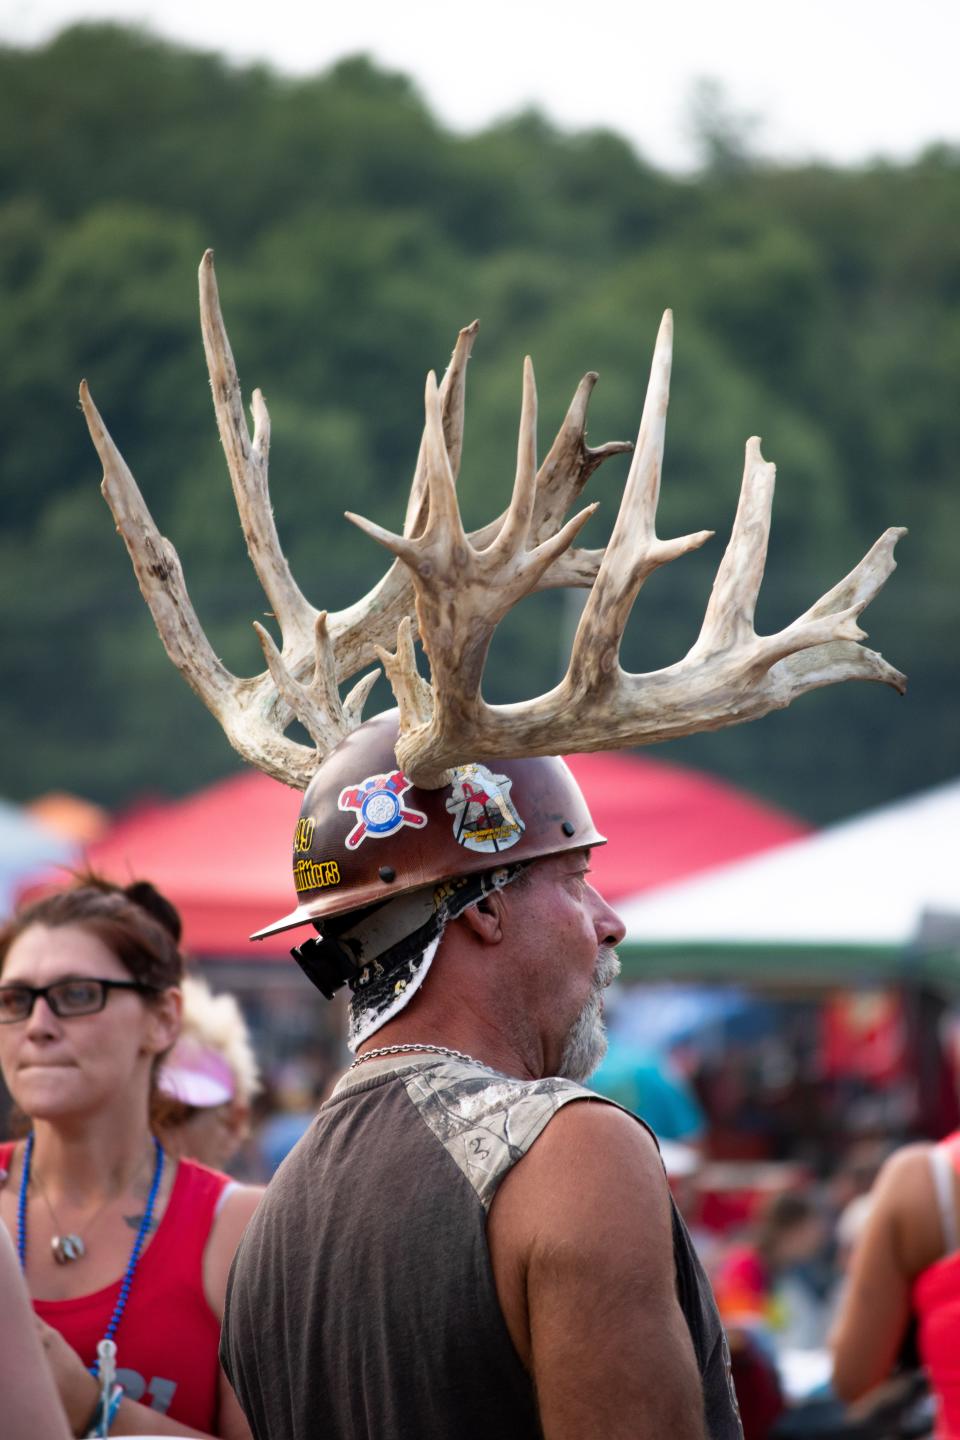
209, 1079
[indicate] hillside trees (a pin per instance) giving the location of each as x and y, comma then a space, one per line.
820, 308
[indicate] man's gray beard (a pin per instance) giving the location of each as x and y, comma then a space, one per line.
586, 1042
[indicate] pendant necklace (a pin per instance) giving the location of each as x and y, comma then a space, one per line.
103, 1349
65, 1247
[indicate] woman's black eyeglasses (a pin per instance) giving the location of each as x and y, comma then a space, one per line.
66, 998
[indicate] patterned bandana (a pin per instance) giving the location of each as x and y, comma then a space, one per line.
391, 973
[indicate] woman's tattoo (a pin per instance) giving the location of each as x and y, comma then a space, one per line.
135, 1221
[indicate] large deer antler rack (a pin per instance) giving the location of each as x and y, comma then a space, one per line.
731, 674
463, 585
319, 650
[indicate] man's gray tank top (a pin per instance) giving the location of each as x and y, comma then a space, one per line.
361, 1304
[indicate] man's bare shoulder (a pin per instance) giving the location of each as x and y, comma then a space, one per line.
592, 1165
595, 1128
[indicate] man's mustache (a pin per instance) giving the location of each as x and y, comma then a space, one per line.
608, 967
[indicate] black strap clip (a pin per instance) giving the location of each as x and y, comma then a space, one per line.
326, 964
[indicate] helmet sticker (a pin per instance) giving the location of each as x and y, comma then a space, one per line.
377, 802
315, 875
484, 817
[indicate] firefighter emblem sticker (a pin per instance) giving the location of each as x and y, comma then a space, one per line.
484, 817
378, 803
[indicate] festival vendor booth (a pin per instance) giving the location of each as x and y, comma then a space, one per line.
808, 992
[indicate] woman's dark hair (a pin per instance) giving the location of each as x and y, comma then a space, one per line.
138, 924
135, 922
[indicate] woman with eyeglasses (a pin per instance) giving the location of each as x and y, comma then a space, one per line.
125, 1250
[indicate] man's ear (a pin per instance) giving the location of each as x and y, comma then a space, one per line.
485, 919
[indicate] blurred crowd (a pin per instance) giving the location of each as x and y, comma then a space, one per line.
831, 1263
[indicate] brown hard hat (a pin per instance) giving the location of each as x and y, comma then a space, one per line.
366, 834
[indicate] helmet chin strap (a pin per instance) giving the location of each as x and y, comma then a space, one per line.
384, 954
333, 960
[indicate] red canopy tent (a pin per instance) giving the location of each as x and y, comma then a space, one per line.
223, 854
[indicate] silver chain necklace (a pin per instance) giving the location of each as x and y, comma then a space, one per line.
412, 1050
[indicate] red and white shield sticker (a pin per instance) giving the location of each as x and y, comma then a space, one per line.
377, 803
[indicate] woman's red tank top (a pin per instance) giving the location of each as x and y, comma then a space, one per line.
168, 1337
936, 1303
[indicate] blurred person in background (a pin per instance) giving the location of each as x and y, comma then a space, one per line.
749, 1282
765, 1305
118, 1242
295, 1092
208, 1081
906, 1265
650, 1085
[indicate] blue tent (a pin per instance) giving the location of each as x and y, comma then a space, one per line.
26, 847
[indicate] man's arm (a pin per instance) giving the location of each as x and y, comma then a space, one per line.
581, 1243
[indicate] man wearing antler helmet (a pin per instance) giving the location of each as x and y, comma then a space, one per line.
466, 1242
506, 1262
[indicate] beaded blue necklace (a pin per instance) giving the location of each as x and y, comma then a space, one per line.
142, 1233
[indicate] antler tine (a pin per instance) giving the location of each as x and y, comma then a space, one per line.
633, 551
413, 694
158, 569
444, 512
239, 705
733, 600
247, 465
865, 580
730, 613
833, 619
261, 429
433, 500
565, 471
317, 706
516, 524
567, 467
361, 628
452, 398
356, 698
570, 462
828, 665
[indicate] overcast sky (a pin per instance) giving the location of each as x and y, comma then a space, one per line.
844, 80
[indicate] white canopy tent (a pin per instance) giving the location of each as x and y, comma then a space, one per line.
863, 887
